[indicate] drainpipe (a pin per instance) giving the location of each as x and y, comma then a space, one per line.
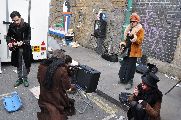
127, 15
29, 10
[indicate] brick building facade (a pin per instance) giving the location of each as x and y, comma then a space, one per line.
160, 19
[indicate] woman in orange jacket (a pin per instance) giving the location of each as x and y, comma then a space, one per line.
133, 38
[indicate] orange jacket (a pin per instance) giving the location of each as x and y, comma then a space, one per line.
138, 32
136, 50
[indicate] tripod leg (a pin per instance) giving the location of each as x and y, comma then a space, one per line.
172, 87
85, 99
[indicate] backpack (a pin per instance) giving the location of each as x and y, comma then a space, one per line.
152, 68
110, 57
142, 68
145, 68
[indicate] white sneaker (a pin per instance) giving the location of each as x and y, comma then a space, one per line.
0, 71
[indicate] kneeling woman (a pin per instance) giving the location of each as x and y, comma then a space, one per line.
146, 100
53, 77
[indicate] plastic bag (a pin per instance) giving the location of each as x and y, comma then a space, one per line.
12, 102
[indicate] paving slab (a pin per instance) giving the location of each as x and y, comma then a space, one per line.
109, 88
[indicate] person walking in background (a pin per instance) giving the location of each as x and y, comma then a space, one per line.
18, 39
145, 103
133, 38
54, 81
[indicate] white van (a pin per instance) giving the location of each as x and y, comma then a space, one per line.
35, 12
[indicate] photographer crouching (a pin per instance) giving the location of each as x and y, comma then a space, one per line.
54, 82
145, 103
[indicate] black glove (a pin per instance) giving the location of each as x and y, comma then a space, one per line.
131, 37
122, 46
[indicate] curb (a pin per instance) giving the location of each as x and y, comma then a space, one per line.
112, 100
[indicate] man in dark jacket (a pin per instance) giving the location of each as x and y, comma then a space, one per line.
18, 39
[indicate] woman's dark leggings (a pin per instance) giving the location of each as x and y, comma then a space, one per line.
137, 111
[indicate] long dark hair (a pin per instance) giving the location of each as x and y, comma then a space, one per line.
58, 59
151, 96
52, 63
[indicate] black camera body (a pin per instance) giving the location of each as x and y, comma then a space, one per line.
72, 70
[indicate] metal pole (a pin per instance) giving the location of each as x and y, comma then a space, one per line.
29, 9
172, 87
7, 26
127, 16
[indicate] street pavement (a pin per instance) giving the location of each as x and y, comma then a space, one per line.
108, 88
101, 110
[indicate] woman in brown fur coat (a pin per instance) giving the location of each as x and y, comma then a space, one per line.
133, 38
145, 103
54, 81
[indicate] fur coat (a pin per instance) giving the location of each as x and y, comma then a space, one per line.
54, 103
153, 99
138, 33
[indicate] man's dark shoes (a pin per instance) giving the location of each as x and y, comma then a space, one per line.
25, 82
18, 82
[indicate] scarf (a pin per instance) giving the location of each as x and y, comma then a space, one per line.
52, 63
133, 30
151, 96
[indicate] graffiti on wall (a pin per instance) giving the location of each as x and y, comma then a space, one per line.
162, 26
114, 30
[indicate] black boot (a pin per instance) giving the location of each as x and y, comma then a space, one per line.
129, 85
18, 82
25, 82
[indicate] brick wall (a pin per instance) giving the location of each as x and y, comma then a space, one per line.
84, 15
162, 22
160, 19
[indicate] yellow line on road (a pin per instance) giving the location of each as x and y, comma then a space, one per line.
103, 105
109, 117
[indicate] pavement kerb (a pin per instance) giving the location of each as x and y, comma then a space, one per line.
112, 100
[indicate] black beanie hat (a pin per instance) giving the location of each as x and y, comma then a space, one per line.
150, 79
